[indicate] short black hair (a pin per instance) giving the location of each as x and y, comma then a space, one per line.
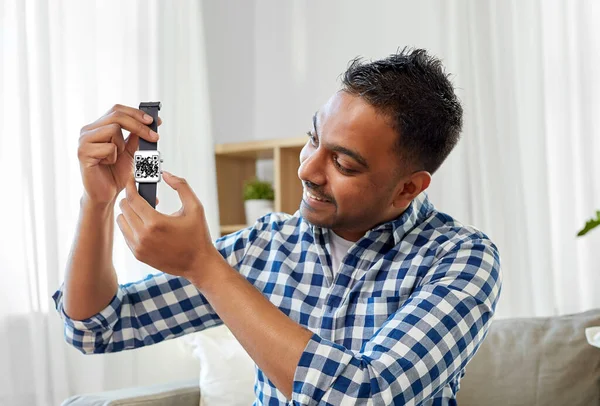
412, 90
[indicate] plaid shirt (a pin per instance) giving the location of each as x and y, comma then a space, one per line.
395, 324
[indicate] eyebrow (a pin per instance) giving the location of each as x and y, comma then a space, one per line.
342, 150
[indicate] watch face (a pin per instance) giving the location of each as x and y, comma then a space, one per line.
147, 166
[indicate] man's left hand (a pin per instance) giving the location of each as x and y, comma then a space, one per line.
178, 244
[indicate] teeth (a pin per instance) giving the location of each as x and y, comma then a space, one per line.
315, 197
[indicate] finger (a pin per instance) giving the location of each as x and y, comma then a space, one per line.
157, 201
108, 133
134, 221
137, 203
186, 194
138, 114
127, 122
159, 121
127, 231
133, 141
94, 153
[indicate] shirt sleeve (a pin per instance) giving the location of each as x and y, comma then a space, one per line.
151, 310
420, 348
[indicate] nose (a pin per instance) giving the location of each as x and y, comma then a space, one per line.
312, 168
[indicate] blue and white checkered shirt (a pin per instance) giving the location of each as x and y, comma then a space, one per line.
396, 324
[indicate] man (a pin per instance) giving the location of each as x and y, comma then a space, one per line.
366, 295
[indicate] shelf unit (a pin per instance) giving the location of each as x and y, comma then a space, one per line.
236, 163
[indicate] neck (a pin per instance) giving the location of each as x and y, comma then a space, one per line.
350, 235
354, 235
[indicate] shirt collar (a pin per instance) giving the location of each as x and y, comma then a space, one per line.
419, 209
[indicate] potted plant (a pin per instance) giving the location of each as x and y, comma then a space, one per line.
258, 199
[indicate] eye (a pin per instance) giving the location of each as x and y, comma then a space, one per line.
313, 139
341, 168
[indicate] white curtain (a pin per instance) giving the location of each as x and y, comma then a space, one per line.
63, 64
527, 171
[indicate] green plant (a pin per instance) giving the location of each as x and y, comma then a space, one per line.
590, 224
256, 189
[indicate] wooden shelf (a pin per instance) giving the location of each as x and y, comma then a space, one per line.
263, 149
231, 228
236, 163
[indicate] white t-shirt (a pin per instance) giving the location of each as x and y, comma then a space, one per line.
339, 249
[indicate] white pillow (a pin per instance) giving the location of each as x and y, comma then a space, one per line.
226, 371
593, 336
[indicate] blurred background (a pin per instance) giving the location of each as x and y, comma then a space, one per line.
525, 172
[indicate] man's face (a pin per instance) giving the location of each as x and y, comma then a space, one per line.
350, 162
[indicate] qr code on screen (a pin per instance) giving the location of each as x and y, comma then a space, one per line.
146, 167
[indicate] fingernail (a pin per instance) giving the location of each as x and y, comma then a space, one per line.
147, 117
154, 134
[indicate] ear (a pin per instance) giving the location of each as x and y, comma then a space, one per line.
411, 187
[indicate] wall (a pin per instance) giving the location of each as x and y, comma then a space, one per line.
272, 63
230, 56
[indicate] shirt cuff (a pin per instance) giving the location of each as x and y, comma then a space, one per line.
320, 365
102, 321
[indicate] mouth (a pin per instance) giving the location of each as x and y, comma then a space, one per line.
314, 199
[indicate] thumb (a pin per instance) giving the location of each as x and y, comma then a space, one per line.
186, 194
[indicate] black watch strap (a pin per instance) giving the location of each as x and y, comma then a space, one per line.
148, 190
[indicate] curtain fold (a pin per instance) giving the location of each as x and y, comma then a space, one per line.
524, 171
63, 65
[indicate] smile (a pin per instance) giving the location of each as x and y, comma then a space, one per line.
312, 197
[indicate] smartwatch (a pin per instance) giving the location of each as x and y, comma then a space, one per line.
147, 160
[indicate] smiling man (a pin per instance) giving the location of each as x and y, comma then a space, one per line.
366, 295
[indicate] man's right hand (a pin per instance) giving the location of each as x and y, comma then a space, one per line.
105, 158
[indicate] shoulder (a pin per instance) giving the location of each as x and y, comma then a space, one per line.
271, 226
464, 253
281, 224
447, 234
269, 232
453, 248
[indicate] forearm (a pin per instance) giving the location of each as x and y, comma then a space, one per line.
274, 341
90, 278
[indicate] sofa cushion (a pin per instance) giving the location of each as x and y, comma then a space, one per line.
535, 361
179, 393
